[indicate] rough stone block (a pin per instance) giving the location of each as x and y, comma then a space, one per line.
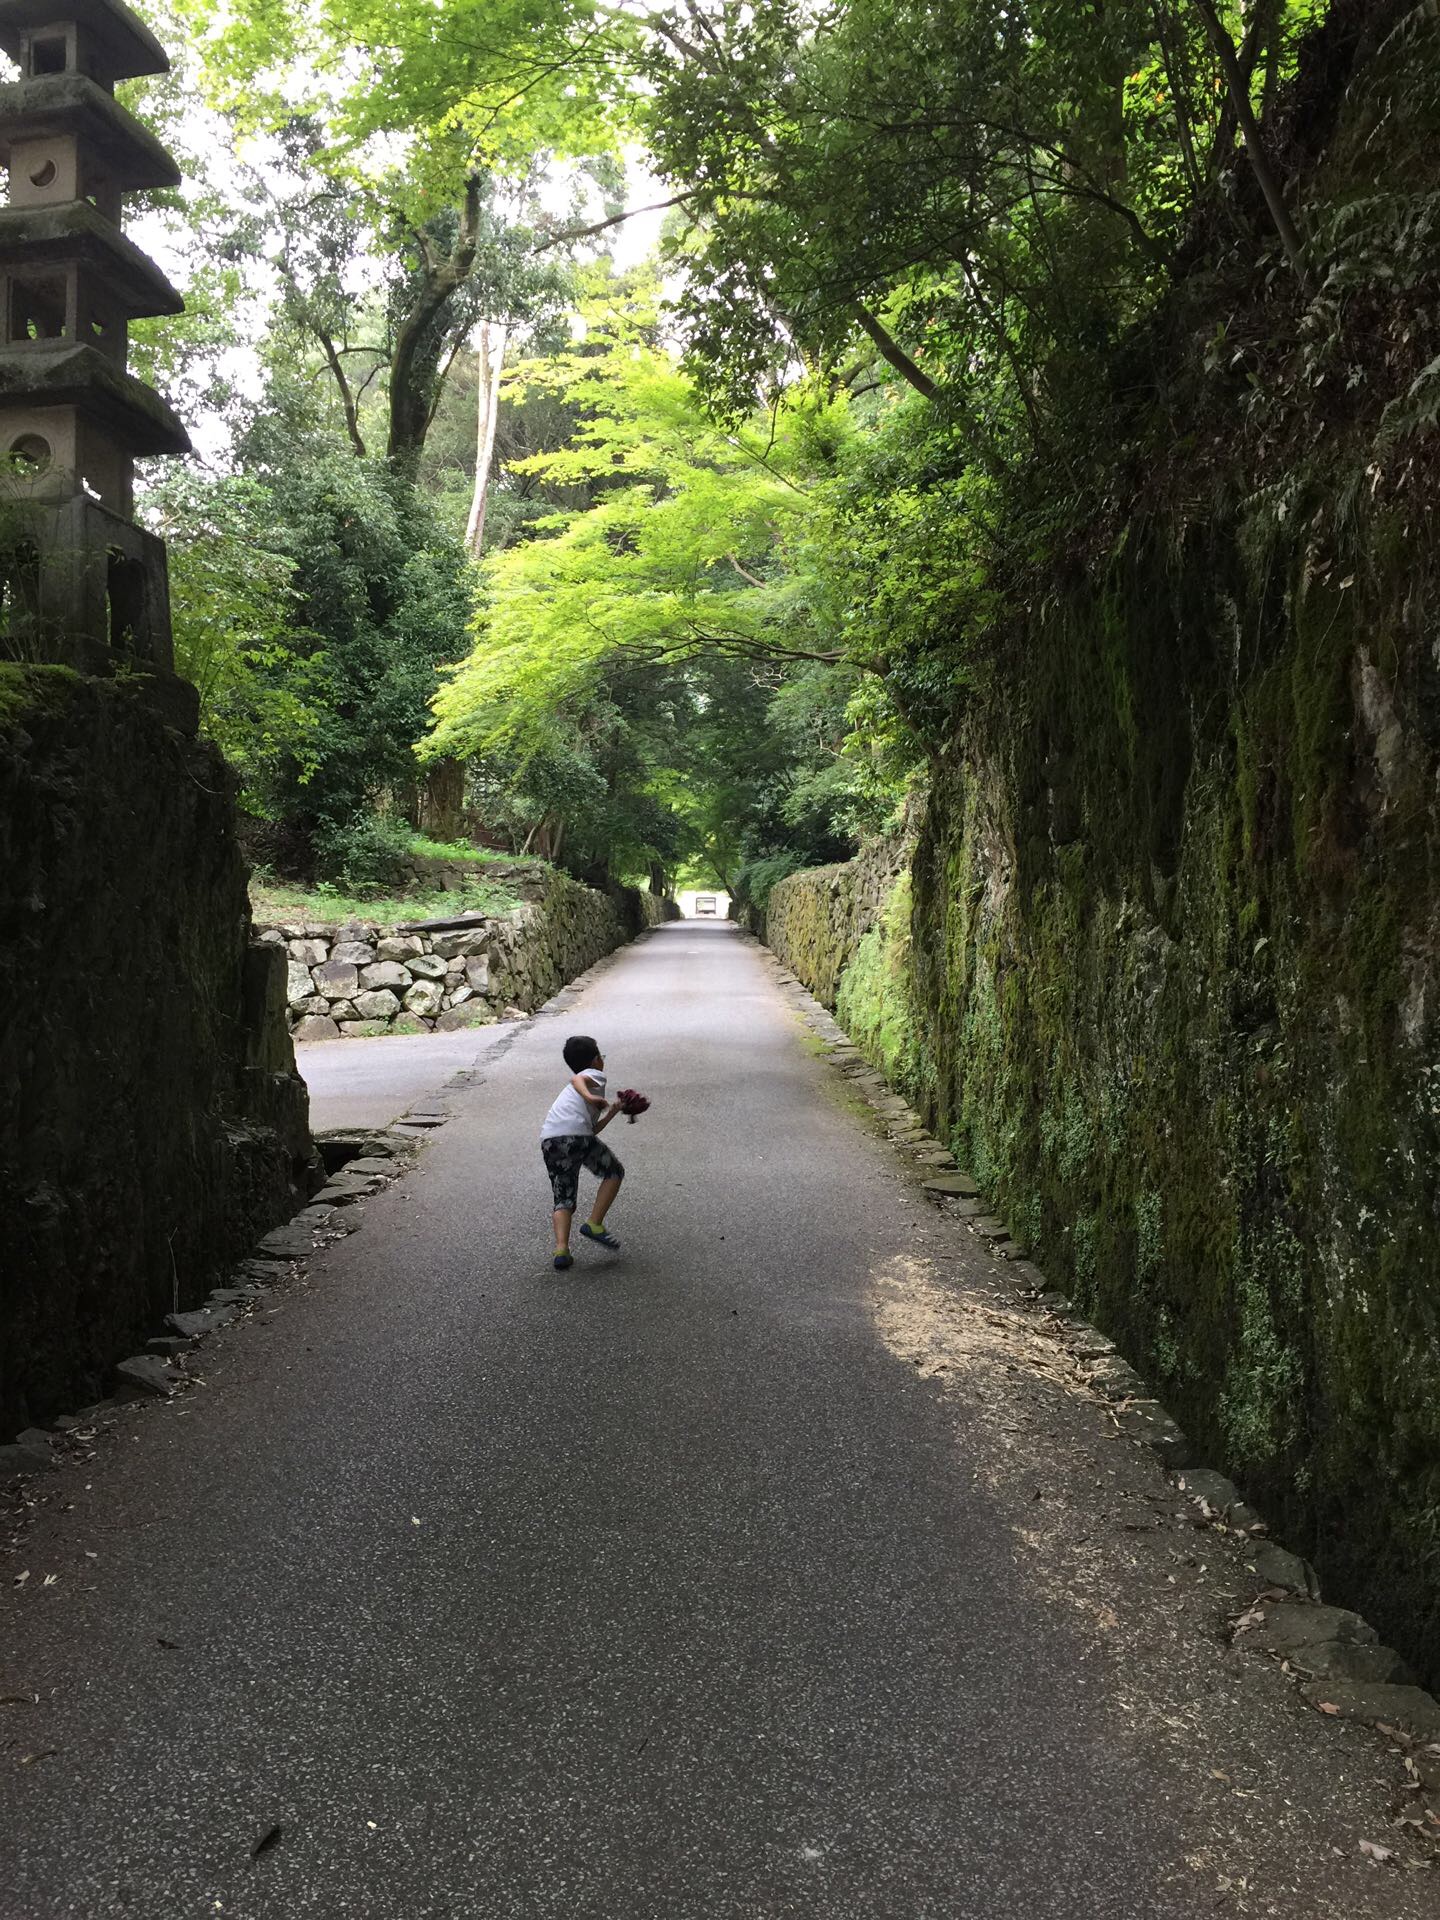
287, 1243
427, 966
1201, 1483
477, 973
1277, 1567
379, 1005
1115, 1378
425, 997
353, 953
343, 1187
16, 1460
146, 1373
399, 946
460, 942
195, 1325
1148, 1422
957, 1186
363, 1029
475, 1013
336, 979
1408, 1708
315, 1026
299, 986
1290, 1626
385, 973
409, 1023
310, 953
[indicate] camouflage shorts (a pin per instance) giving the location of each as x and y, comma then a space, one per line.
565, 1154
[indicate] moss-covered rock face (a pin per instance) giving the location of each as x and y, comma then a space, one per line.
151, 1123
1169, 984
1176, 947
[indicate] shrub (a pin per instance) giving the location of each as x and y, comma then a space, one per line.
368, 851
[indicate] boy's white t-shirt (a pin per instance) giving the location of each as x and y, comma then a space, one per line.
571, 1113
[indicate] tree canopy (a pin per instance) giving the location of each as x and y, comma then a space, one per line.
748, 518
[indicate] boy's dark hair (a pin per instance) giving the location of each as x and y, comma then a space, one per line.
580, 1052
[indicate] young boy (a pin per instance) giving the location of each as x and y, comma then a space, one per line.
568, 1142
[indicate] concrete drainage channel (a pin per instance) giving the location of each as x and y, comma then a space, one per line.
1335, 1657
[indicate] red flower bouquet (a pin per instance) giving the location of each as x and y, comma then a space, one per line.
632, 1104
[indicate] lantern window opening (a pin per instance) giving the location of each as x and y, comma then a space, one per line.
38, 306
30, 454
49, 53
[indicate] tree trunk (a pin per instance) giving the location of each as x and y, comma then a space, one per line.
1238, 85
411, 378
492, 360
442, 802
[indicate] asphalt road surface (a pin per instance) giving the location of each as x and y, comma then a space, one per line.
366, 1083
768, 1569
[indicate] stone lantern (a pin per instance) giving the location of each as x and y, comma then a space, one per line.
83, 585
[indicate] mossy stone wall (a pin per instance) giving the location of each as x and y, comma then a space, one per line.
151, 1122
1168, 982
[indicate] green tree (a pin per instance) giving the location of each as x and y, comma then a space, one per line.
234, 606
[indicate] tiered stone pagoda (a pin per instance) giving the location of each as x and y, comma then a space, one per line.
84, 586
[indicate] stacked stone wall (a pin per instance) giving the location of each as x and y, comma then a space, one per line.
359, 978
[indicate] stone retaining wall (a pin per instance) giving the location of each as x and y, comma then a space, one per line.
152, 1125
359, 978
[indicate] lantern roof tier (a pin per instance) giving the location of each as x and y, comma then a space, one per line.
119, 46
66, 374
71, 103
34, 239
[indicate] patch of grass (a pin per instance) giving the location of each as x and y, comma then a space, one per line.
463, 850
274, 901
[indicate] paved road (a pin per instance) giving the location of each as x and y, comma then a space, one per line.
366, 1083
765, 1571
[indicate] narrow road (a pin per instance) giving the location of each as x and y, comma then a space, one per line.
366, 1083
671, 1588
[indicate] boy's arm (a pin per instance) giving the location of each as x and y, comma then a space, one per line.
607, 1109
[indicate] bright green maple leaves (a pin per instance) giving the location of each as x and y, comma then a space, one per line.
680, 552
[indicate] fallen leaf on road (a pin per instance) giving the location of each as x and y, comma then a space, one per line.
414, 1521
45, 1753
50, 1580
1374, 1851
1327, 1706
266, 1841
21, 1578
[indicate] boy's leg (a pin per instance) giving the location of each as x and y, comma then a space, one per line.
605, 1198
562, 1163
608, 1170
